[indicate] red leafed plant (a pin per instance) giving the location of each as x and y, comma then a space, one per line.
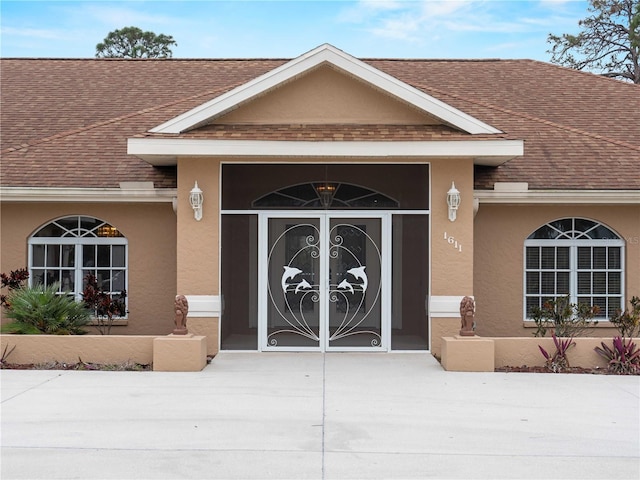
623, 358
106, 306
558, 362
14, 281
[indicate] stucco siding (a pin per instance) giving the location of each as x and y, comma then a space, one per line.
150, 230
500, 232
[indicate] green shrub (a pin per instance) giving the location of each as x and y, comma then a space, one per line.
37, 309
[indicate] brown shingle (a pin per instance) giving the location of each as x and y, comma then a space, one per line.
65, 122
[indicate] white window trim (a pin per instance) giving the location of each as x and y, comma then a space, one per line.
573, 245
78, 242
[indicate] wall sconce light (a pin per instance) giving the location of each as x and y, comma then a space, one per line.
453, 201
195, 199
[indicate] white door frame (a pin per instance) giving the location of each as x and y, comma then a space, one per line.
324, 218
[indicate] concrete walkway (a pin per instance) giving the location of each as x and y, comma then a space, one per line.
333, 416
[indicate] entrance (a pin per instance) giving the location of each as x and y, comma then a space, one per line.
325, 282
324, 257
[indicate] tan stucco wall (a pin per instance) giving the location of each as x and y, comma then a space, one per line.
451, 269
198, 246
104, 349
151, 233
326, 96
500, 232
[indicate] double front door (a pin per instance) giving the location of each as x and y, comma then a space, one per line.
324, 282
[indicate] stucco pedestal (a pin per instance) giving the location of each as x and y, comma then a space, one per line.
468, 354
179, 353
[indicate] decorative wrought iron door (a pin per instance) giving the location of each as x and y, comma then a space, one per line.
324, 286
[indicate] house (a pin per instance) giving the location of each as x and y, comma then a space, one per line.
325, 202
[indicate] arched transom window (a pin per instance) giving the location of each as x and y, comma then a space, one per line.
581, 258
66, 250
326, 195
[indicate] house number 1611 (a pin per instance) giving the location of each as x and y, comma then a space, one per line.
453, 242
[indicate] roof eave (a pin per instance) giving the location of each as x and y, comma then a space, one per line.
556, 196
165, 151
83, 195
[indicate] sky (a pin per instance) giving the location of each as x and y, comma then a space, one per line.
287, 29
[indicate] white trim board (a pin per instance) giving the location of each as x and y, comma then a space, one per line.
329, 55
203, 306
94, 195
593, 197
164, 151
445, 306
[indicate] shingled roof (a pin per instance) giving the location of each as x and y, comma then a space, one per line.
65, 123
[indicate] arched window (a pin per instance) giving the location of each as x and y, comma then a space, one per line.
70, 248
577, 257
325, 195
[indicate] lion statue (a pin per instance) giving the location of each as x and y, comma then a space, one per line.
467, 310
181, 310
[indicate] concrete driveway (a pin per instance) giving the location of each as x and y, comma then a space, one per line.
319, 416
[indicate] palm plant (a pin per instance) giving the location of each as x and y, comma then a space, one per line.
37, 309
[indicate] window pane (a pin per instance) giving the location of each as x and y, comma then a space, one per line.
68, 281
88, 223
37, 255
88, 255
562, 283
562, 255
118, 280
564, 225
84, 276
613, 307
614, 283
603, 233
614, 257
68, 255
599, 257
53, 255
584, 258
117, 255
583, 225
51, 230
602, 303
584, 301
548, 283
600, 282
37, 277
533, 257
104, 255
533, 282
70, 223
532, 302
548, 258
51, 277
104, 279
584, 282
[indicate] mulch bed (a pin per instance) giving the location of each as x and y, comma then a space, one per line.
135, 367
580, 370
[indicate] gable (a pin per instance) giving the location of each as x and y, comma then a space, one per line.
326, 96
322, 56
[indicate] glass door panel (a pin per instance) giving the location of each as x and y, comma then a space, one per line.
355, 283
293, 283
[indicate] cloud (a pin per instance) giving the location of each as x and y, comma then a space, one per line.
45, 34
418, 20
113, 16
